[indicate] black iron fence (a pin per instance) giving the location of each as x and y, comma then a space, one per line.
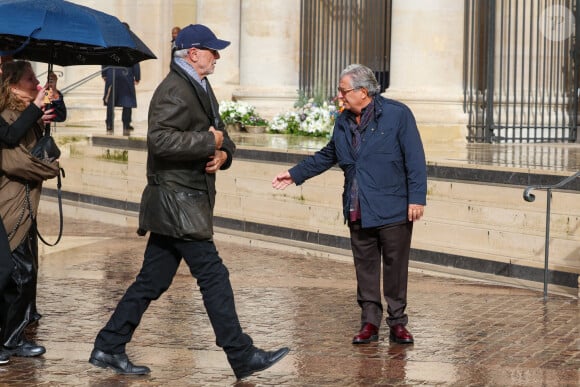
336, 33
521, 70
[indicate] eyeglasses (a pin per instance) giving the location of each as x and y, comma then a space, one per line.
345, 91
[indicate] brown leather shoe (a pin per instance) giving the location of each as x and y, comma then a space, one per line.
368, 333
400, 334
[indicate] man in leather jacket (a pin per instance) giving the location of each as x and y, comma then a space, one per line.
187, 145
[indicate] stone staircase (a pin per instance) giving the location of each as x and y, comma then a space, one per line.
476, 222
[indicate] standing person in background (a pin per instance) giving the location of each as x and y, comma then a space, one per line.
21, 177
174, 32
120, 92
186, 146
376, 143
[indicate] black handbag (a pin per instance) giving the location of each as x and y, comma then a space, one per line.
46, 148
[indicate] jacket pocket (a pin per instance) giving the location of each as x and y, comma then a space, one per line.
195, 215
181, 214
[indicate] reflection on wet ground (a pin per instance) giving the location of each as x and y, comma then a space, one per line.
467, 333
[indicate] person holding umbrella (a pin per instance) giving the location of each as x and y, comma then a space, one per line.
10, 135
20, 185
187, 146
49, 98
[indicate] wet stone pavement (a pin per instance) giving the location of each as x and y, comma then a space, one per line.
467, 333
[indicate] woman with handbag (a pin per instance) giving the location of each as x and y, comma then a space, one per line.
49, 103
20, 185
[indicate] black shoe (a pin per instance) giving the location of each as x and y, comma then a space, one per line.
118, 362
25, 349
128, 127
4, 357
259, 361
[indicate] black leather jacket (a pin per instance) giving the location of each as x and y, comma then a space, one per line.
179, 198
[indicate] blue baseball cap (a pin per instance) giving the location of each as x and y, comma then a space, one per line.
199, 36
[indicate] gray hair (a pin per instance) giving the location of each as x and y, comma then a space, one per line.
181, 53
362, 78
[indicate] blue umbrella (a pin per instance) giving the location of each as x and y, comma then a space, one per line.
63, 33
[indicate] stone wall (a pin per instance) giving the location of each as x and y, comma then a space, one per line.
484, 227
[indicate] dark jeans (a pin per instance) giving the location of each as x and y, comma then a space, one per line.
17, 297
161, 260
390, 244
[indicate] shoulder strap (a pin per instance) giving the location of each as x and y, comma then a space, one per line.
61, 220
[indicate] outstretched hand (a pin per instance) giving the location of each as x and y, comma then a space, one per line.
282, 180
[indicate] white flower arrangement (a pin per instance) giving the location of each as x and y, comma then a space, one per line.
233, 112
311, 119
308, 120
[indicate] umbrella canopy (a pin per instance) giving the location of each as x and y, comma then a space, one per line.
64, 33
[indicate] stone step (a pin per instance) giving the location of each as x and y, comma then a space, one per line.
483, 222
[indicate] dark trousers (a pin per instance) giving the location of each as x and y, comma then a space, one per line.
390, 244
6, 262
125, 116
16, 300
161, 260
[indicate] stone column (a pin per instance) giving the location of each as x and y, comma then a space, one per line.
426, 65
223, 18
269, 49
85, 103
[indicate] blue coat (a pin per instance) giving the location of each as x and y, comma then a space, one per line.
124, 92
390, 169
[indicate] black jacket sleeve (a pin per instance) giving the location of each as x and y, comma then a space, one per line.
11, 134
59, 108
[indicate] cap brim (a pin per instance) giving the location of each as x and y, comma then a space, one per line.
217, 44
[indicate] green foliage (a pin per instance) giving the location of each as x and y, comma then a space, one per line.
121, 156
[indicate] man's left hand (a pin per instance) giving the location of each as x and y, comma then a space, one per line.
216, 161
415, 212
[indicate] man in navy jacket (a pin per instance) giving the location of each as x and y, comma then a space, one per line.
376, 143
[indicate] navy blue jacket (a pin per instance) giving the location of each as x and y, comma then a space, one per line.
390, 169
125, 78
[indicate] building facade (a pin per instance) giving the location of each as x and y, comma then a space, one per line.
464, 67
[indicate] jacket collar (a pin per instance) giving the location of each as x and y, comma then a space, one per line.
204, 97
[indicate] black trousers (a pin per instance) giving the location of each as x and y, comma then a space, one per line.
16, 299
161, 260
6, 262
126, 116
390, 245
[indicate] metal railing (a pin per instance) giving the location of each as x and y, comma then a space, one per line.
336, 33
521, 70
529, 197
86, 79
90, 77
